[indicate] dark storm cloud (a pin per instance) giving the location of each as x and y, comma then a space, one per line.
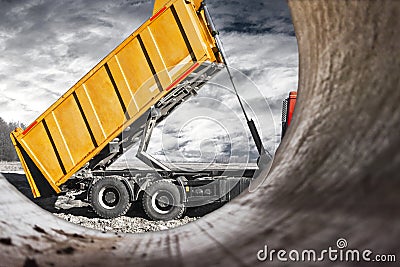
47, 46
254, 17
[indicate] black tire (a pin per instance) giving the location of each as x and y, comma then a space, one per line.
109, 198
162, 201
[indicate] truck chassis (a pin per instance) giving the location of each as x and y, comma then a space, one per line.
164, 195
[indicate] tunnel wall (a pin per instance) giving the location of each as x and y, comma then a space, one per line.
336, 174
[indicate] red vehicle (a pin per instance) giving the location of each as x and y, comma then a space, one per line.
287, 111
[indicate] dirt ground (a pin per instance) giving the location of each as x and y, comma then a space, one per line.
80, 213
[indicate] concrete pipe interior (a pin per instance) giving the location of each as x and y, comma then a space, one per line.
336, 174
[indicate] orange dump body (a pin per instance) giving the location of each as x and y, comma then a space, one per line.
163, 57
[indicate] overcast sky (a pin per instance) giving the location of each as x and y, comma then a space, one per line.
47, 46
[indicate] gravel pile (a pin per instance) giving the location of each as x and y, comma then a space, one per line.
124, 224
79, 212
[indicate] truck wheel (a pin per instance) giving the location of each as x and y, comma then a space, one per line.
162, 201
109, 197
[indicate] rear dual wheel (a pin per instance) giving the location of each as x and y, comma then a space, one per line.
162, 201
109, 198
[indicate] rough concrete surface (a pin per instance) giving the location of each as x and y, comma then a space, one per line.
336, 174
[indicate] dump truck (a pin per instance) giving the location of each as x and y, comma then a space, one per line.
117, 105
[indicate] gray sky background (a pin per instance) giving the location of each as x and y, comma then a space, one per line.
47, 46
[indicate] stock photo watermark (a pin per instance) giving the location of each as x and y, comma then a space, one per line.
339, 253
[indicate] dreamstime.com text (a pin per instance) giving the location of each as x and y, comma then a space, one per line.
340, 253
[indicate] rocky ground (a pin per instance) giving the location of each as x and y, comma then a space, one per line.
80, 213
124, 224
